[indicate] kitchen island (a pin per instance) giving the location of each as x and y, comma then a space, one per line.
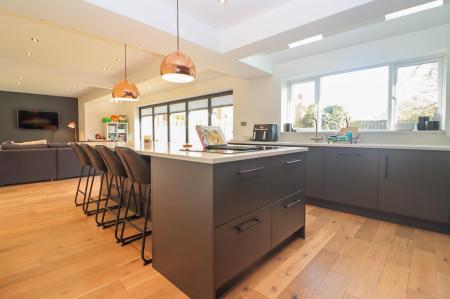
215, 215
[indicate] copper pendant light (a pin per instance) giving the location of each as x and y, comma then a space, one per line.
125, 91
177, 67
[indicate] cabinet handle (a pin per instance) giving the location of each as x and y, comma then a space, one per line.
386, 167
292, 162
250, 170
291, 204
248, 224
348, 154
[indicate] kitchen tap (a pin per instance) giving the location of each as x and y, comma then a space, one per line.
316, 138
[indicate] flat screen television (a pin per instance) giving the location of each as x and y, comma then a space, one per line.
37, 120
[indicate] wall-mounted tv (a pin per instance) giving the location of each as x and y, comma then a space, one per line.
37, 120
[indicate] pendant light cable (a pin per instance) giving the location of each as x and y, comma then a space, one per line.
125, 61
178, 29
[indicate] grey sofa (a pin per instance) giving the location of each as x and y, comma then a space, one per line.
33, 163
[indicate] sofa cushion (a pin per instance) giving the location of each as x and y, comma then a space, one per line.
16, 146
58, 145
41, 141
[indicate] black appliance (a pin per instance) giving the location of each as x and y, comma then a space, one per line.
265, 132
422, 123
433, 125
39, 120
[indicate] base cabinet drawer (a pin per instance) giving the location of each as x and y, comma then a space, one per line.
241, 187
289, 173
288, 216
240, 243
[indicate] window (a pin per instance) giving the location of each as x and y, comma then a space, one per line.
177, 123
147, 124
173, 122
222, 114
303, 100
198, 116
369, 99
359, 98
160, 123
416, 91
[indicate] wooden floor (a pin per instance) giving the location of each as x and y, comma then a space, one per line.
48, 249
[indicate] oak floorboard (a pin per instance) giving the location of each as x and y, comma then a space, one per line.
52, 250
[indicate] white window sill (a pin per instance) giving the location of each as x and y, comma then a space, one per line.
368, 132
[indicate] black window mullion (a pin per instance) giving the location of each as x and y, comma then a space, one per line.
186, 122
209, 111
153, 124
168, 123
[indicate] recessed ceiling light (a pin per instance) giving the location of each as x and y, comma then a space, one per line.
28, 53
306, 41
18, 83
74, 85
35, 39
103, 68
414, 9
222, 1
119, 59
20, 77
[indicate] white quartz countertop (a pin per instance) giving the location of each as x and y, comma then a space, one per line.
347, 145
175, 152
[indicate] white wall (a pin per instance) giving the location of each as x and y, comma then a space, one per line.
259, 100
90, 114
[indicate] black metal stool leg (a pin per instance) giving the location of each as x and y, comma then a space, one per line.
88, 199
78, 187
144, 233
108, 187
121, 195
126, 214
86, 188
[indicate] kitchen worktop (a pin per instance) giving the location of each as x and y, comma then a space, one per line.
347, 145
164, 150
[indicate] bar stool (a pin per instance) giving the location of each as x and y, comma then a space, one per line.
85, 163
138, 171
118, 176
99, 168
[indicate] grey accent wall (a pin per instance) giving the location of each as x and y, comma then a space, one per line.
11, 101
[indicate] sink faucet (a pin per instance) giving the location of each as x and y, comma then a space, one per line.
316, 138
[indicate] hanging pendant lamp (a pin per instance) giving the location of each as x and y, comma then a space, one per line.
125, 91
177, 67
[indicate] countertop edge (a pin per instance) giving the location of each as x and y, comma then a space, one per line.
225, 157
358, 145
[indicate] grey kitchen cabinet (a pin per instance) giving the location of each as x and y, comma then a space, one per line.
351, 176
291, 168
315, 172
415, 183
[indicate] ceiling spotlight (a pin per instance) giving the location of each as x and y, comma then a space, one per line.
35, 39
222, 1
28, 53
20, 77
103, 68
18, 83
119, 59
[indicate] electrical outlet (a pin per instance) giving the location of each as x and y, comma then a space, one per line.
243, 123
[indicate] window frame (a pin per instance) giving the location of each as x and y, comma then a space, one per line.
186, 102
393, 66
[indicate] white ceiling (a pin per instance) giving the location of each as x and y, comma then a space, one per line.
222, 16
79, 37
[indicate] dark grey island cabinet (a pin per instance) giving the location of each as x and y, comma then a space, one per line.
212, 222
